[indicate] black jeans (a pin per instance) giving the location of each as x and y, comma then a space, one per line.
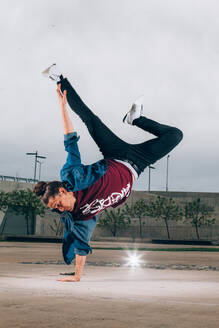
112, 147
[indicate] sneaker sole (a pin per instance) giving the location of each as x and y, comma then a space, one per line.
46, 71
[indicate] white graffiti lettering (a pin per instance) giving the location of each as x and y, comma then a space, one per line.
100, 204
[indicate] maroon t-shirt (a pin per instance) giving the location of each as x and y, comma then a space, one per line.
111, 190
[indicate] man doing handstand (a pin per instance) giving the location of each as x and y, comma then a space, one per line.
86, 190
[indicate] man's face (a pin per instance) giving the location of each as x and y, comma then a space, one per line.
63, 201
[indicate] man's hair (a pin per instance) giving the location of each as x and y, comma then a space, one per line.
45, 190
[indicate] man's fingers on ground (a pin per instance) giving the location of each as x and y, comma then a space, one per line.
66, 280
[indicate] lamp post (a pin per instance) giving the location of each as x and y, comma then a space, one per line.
36, 157
40, 169
167, 173
149, 176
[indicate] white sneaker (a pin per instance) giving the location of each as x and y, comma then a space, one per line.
52, 72
135, 112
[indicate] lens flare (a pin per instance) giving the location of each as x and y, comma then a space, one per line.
134, 260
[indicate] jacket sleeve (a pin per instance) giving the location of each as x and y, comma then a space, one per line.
76, 175
71, 146
76, 238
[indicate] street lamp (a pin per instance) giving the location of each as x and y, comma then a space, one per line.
167, 173
36, 157
40, 169
149, 176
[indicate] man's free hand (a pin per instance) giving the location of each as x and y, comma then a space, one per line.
62, 97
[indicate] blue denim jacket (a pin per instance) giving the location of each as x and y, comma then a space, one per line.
76, 175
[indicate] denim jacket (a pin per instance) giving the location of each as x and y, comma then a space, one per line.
74, 174
77, 176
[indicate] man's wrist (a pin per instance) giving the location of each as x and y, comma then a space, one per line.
69, 135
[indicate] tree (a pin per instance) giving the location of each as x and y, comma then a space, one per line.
137, 210
3, 201
165, 208
198, 214
114, 220
26, 203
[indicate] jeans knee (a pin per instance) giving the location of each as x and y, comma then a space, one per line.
178, 134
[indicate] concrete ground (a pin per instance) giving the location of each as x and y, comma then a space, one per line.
110, 294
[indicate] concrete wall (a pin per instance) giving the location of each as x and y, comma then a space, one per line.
42, 224
11, 223
11, 185
155, 229
209, 198
47, 225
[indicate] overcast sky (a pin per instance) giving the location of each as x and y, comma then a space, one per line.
112, 51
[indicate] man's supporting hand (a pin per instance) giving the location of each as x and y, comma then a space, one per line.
79, 266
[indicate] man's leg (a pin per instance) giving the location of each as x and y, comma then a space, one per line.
152, 150
112, 146
108, 143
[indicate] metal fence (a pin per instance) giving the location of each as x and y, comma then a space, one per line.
16, 179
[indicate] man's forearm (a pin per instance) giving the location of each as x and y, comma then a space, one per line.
79, 266
67, 124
